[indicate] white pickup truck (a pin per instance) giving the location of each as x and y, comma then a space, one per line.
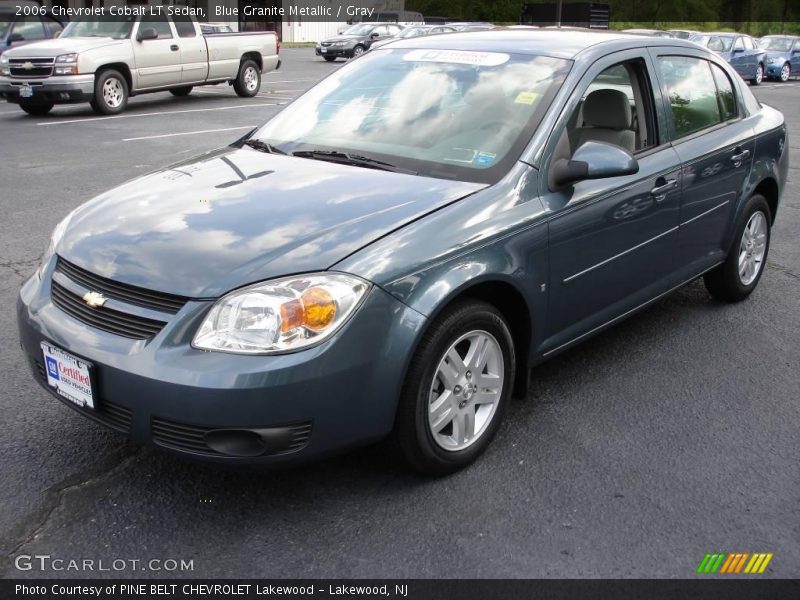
105, 62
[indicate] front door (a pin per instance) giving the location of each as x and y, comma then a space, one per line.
158, 61
611, 241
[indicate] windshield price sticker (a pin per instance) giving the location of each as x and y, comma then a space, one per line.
459, 57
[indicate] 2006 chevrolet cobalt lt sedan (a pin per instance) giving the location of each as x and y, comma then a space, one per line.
395, 249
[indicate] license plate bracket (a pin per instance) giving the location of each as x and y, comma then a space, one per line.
69, 376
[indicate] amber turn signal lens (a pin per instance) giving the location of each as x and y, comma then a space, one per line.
292, 315
320, 308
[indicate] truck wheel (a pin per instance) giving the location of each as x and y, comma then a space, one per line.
181, 91
37, 108
248, 81
329, 58
110, 92
738, 276
457, 388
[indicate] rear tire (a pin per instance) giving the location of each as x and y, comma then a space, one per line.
248, 81
110, 93
451, 407
759, 76
37, 109
181, 91
329, 58
738, 276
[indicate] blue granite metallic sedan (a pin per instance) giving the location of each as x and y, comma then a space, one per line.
391, 253
783, 56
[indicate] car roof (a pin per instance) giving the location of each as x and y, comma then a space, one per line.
542, 42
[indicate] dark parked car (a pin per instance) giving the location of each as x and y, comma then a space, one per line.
394, 250
741, 51
17, 30
414, 31
783, 56
355, 40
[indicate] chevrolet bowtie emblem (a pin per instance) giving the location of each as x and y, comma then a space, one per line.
27, 65
94, 299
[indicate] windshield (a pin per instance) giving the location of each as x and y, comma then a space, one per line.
98, 28
450, 114
726, 41
412, 32
360, 29
776, 44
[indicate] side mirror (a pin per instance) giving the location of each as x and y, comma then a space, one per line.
594, 160
374, 36
738, 50
15, 37
148, 33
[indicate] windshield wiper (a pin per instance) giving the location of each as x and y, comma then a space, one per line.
263, 147
352, 159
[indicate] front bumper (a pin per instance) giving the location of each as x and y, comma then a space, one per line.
774, 69
59, 89
163, 392
337, 52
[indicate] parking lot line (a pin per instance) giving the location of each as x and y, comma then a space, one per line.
167, 135
156, 114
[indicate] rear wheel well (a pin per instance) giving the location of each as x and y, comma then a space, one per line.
511, 304
769, 189
124, 71
255, 57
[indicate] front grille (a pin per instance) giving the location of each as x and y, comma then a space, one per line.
131, 294
110, 414
107, 319
327, 44
182, 436
31, 67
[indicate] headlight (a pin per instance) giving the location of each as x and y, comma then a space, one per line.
770, 60
281, 315
4, 69
55, 238
66, 64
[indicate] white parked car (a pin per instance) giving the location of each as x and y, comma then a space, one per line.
105, 62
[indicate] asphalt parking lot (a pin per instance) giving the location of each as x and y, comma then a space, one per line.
674, 434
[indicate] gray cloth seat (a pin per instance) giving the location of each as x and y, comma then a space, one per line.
607, 118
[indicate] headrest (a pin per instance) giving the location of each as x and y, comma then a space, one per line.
607, 108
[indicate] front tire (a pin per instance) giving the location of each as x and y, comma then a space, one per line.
458, 385
786, 72
37, 109
329, 58
110, 93
248, 81
738, 276
759, 76
358, 51
181, 91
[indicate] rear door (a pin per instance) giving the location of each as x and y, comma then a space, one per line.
192, 48
739, 58
715, 143
158, 61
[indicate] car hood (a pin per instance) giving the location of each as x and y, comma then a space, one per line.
777, 54
237, 216
346, 38
54, 47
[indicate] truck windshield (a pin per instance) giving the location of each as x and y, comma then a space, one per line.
89, 27
451, 114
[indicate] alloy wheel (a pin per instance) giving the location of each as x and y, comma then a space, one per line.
250, 79
786, 72
752, 248
466, 390
113, 92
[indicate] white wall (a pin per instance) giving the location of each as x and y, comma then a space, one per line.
308, 31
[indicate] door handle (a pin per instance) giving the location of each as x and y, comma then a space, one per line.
740, 157
174, 47
662, 187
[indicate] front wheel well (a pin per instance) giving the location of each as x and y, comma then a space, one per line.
769, 189
122, 68
511, 304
